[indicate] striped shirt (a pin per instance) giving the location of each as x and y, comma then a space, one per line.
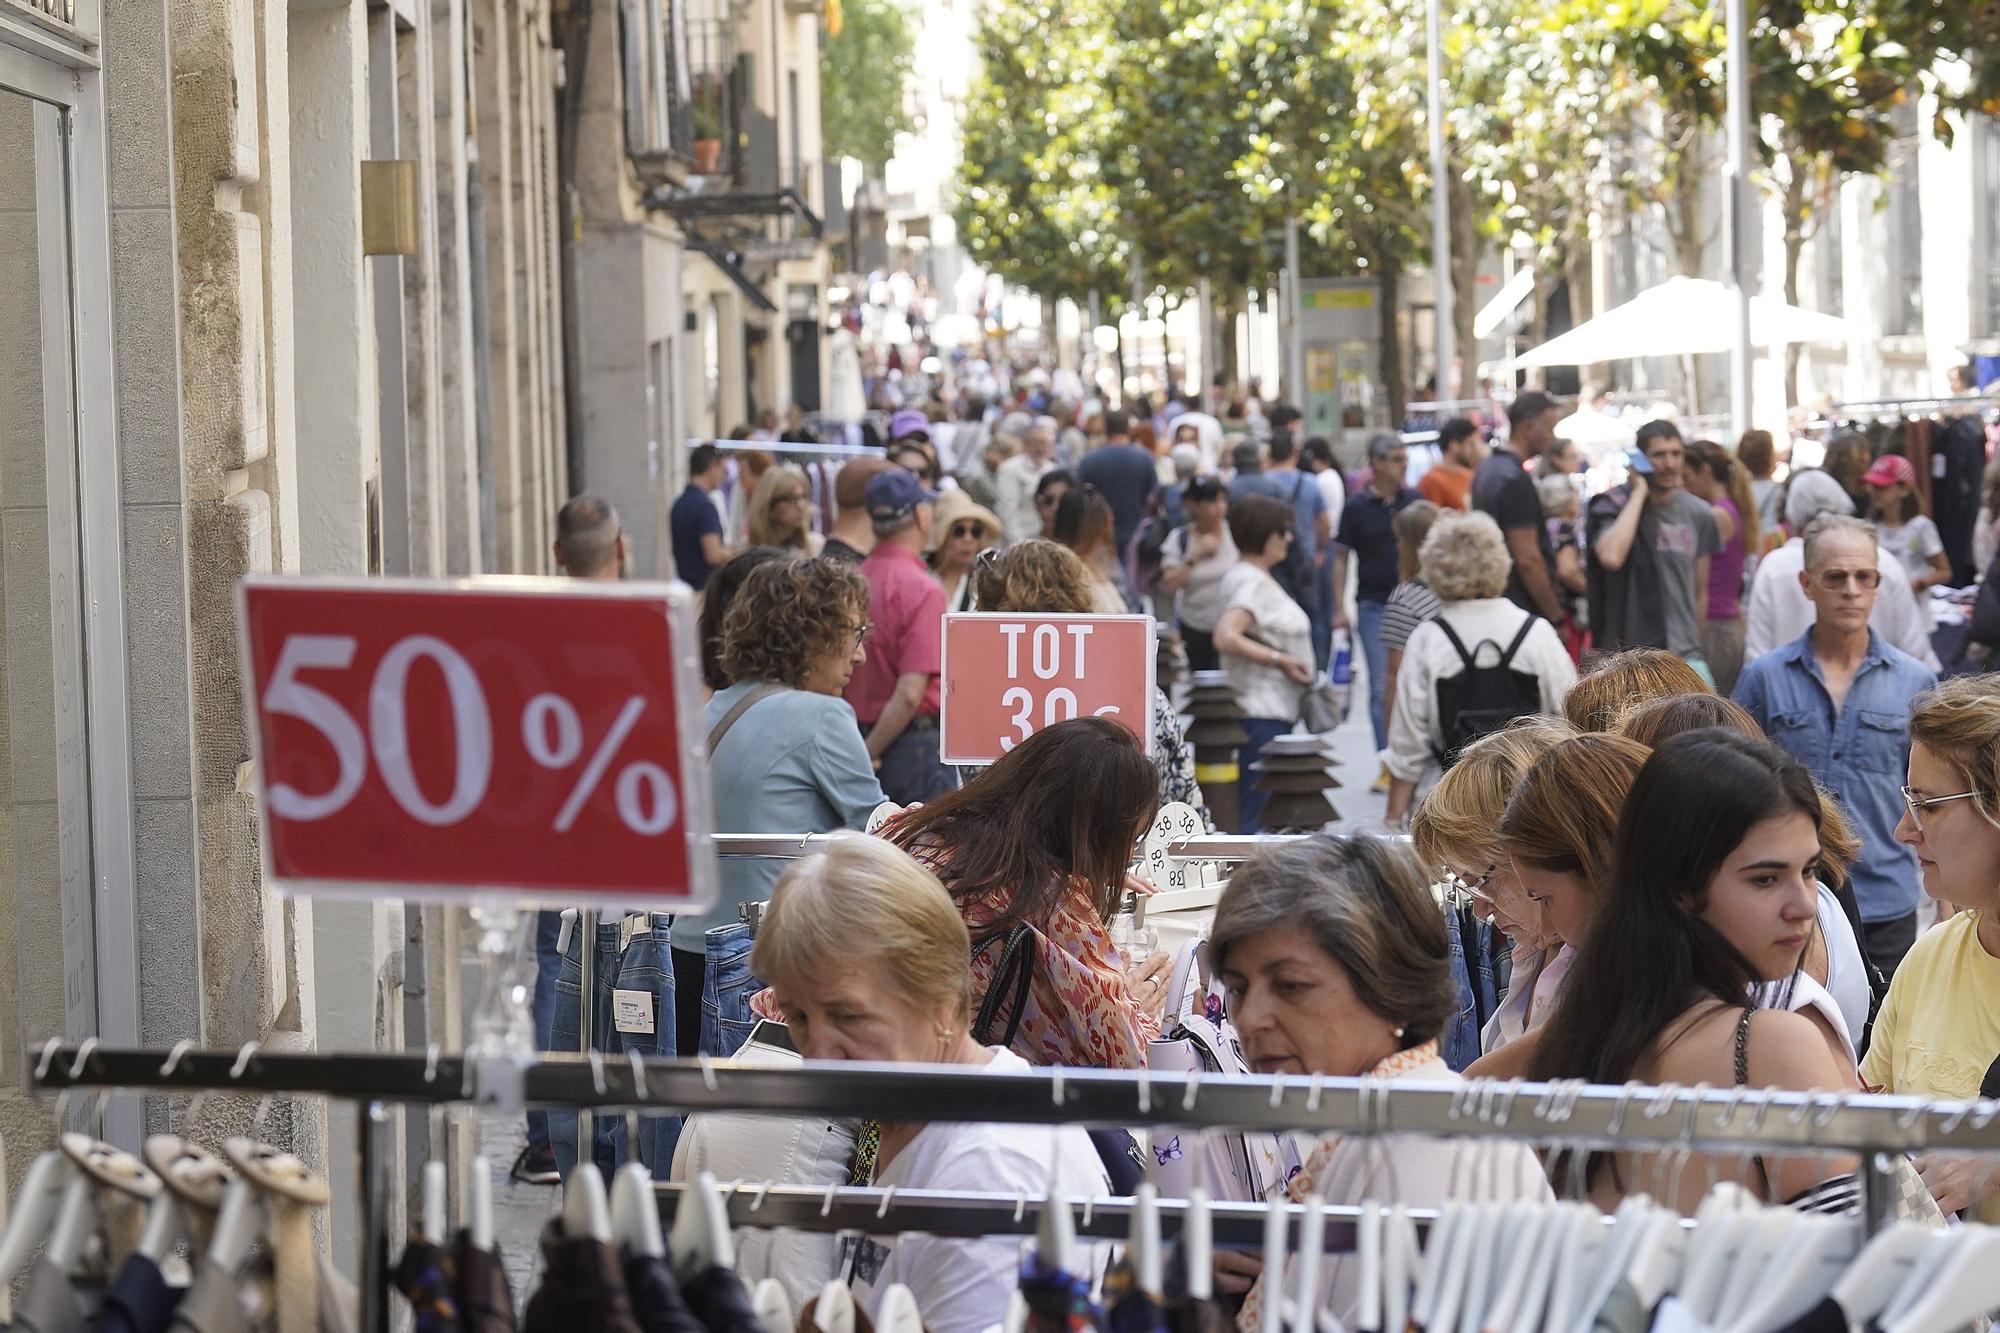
1410, 605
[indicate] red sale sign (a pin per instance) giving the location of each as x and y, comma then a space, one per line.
517, 738
1005, 677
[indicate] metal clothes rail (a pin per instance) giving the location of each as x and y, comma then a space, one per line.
1206, 847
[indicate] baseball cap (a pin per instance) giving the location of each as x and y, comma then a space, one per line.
909, 422
895, 494
1888, 470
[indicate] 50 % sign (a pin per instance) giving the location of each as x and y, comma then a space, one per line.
499, 735
1005, 677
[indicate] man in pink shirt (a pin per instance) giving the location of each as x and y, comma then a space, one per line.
894, 692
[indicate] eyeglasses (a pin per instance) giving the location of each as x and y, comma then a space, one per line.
1473, 886
861, 631
967, 529
1833, 580
792, 498
1919, 804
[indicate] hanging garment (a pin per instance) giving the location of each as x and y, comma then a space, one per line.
809, 1324
721, 1302
656, 1298
214, 1304
1128, 1308
429, 1281
1058, 1301
582, 1288
485, 1303
139, 1301
1958, 459
1186, 1314
53, 1302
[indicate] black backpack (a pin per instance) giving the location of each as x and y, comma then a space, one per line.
1480, 700
1295, 573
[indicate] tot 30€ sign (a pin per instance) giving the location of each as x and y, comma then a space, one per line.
1006, 677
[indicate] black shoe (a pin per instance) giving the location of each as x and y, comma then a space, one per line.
537, 1165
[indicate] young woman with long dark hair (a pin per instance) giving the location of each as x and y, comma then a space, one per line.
1042, 839
1714, 893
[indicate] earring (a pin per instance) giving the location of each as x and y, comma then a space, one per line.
1399, 1034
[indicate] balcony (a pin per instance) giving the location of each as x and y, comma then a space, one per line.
659, 135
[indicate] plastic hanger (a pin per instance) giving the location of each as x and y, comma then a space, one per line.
1142, 1245
479, 1204
700, 1239
1539, 1284
76, 1222
1368, 1258
1479, 1284
1435, 1256
1657, 1263
434, 1223
1924, 1268
1871, 1282
1766, 1234
1628, 1228
1198, 1246
1055, 1236
1457, 1269
1584, 1242
896, 1312
833, 1308
1276, 1230
1706, 1267
237, 1226
35, 1208
1527, 1223
1312, 1250
1959, 1290
773, 1304
586, 1212
635, 1217
1399, 1257
1799, 1276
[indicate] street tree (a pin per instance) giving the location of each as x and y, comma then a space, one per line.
865, 71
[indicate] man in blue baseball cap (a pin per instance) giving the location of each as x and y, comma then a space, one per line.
894, 692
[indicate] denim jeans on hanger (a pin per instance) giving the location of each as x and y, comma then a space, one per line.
645, 965
1471, 944
726, 988
548, 969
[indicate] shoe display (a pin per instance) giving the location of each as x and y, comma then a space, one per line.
537, 1165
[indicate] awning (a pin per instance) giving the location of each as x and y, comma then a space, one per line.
731, 263
1679, 317
1504, 303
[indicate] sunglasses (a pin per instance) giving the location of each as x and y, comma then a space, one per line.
967, 530
1833, 580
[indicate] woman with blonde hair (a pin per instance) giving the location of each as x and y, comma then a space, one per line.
1465, 562
1939, 1030
1456, 834
780, 512
869, 960
1613, 686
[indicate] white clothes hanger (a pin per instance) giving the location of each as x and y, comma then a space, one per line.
1538, 1284
1524, 1223
479, 1204
1435, 1256
1312, 1248
586, 1212
896, 1312
772, 1304
1457, 1269
1871, 1282
833, 1308
1706, 1275
1768, 1231
1198, 1246
701, 1239
1657, 1264
1799, 1276
1960, 1289
635, 1216
1143, 1240
1399, 1258
1628, 1228
1271, 1317
435, 1213
1055, 1236
1480, 1284
76, 1222
1368, 1256
237, 1227
1576, 1269
35, 1209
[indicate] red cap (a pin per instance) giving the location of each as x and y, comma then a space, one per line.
1888, 470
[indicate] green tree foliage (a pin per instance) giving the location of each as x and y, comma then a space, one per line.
863, 72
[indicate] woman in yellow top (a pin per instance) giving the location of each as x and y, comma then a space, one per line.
1939, 1028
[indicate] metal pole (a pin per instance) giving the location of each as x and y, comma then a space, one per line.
1736, 199
377, 1183
1295, 342
1205, 299
1448, 380
586, 953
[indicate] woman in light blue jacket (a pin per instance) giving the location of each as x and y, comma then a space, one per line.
786, 756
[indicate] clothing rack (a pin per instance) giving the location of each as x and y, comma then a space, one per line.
1207, 847
1902, 406
790, 447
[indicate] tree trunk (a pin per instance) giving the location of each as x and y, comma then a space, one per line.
1395, 377
1234, 305
1464, 288
1576, 276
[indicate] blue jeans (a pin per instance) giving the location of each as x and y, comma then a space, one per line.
548, 964
1321, 613
1368, 626
1478, 994
726, 987
647, 965
1250, 801
910, 767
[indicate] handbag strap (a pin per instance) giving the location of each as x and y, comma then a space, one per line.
736, 710
1012, 977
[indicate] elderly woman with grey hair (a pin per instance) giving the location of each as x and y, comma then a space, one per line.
1478, 665
1335, 963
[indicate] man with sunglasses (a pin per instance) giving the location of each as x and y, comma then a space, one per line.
1838, 699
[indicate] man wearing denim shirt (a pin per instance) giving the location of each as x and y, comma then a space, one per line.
1838, 699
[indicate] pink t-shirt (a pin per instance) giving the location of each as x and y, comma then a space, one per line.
1725, 570
906, 607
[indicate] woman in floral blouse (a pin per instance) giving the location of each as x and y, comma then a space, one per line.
1041, 840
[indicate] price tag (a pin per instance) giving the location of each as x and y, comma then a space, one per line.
1005, 677
461, 740
632, 1011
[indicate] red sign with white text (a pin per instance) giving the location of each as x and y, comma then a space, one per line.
1005, 677
517, 738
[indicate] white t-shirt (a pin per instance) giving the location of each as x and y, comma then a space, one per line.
1843, 1000
1266, 691
1914, 543
1333, 490
962, 1286
1201, 601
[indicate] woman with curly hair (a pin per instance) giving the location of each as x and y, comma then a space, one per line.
1465, 562
785, 752
1041, 578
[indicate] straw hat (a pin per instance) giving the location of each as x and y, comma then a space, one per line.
955, 507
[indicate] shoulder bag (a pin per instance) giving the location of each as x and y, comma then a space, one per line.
737, 710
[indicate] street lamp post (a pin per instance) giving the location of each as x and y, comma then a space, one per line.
1447, 336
